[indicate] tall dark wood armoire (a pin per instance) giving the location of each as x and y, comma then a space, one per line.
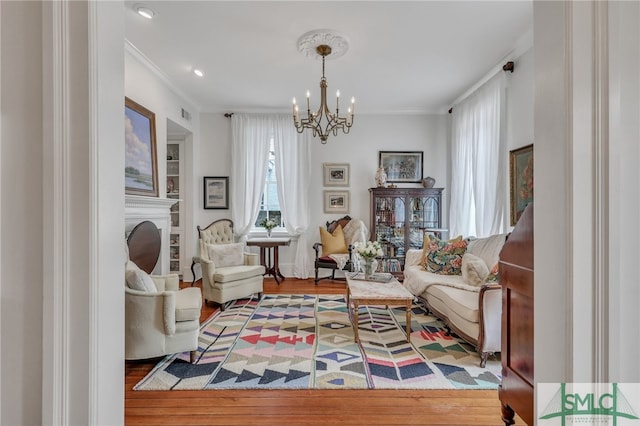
516, 278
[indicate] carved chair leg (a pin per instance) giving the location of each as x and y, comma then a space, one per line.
483, 358
193, 272
507, 415
316, 278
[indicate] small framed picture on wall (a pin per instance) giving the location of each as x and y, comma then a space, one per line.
216, 192
336, 201
336, 174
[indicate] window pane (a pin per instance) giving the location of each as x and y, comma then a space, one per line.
269, 204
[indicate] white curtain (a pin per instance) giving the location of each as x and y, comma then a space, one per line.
293, 169
478, 163
251, 134
249, 157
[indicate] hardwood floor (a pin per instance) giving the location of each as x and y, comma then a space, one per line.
302, 407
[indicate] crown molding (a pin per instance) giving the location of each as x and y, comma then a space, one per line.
144, 60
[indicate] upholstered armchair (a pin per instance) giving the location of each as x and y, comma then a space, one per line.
335, 251
228, 273
160, 318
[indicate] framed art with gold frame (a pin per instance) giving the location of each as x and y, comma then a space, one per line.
140, 164
520, 180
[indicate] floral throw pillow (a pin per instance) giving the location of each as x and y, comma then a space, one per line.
493, 276
445, 257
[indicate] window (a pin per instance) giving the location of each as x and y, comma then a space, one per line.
269, 204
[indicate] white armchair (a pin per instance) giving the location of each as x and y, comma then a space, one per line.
160, 318
228, 273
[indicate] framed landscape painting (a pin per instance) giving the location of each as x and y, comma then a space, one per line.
140, 164
216, 192
336, 174
402, 166
521, 180
336, 201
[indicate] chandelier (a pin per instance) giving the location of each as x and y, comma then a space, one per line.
322, 122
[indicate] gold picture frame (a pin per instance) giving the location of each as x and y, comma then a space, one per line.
520, 180
140, 164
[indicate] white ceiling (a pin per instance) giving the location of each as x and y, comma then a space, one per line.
404, 57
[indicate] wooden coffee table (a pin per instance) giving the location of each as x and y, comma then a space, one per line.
360, 292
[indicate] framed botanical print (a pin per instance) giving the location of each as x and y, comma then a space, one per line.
336, 201
140, 164
216, 192
520, 180
402, 166
336, 174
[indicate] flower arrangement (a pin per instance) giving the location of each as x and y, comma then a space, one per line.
268, 224
368, 250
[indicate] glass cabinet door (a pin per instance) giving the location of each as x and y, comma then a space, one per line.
389, 228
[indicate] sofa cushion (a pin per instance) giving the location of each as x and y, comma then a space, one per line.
137, 279
474, 270
333, 243
226, 254
487, 248
463, 303
445, 257
188, 304
235, 273
426, 241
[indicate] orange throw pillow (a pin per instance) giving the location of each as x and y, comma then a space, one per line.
333, 243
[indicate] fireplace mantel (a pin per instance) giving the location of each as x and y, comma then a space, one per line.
139, 208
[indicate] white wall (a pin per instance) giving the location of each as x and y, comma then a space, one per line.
61, 315
519, 99
21, 273
144, 85
370, 134
624, 192
586, 191
519, 112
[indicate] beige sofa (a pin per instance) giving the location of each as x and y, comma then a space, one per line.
472, 312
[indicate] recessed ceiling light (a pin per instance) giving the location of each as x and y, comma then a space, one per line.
198, 72
145, 11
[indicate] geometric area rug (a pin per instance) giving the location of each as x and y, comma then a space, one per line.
297, 341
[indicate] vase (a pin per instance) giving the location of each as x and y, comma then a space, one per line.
381, 177
269, 233
368, 268
428, 182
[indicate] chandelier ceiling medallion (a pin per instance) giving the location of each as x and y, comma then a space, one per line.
320, 44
